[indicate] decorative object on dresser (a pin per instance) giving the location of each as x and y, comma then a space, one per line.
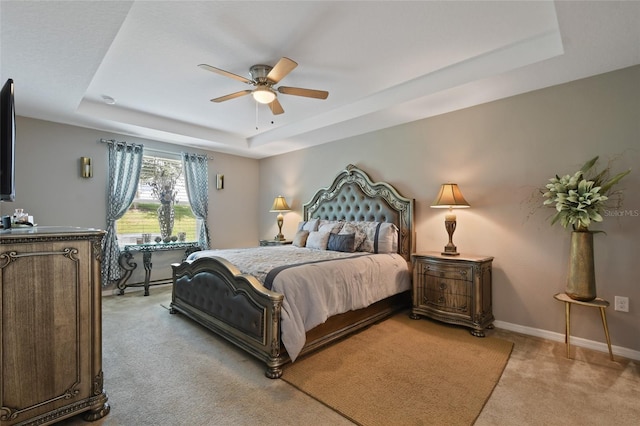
456, 290
450, 197
579, 200
280, 206
259, 320
50, 325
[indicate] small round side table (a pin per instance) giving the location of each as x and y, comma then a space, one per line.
595, 303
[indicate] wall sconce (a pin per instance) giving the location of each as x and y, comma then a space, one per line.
279, 206
86, 171
219, 181
450, 197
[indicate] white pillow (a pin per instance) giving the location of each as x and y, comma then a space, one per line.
318, 240
386, 239
308, 225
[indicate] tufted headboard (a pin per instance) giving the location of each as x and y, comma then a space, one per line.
354, 197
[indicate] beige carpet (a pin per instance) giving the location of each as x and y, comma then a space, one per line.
166, 370
404, 371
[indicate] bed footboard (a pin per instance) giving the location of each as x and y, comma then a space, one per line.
214, 293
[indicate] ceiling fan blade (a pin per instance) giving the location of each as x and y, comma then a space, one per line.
276, 108
231, 96
225, 73
307, 93
281, 69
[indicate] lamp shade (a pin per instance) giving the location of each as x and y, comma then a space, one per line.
263, 94
449, 197
280, 205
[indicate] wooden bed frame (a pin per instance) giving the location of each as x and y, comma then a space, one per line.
236, 306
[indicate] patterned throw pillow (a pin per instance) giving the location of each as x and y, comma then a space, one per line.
351, 228
369, 230
333, 226
373, 237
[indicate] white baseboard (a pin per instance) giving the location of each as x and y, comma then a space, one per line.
577, 341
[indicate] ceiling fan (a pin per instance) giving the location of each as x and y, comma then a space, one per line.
264, 78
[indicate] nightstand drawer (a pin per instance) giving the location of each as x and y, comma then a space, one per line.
456, 272
447, 294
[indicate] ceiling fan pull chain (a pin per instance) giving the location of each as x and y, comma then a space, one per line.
256, 115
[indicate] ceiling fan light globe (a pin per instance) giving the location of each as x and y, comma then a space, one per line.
264, 95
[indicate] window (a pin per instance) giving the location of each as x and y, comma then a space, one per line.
159, 178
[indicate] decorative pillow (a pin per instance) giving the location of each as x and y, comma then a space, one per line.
300, 240
373, 237
342, 242
386, 238
332, 226
369, 230
318, 240
351, 228
308, 225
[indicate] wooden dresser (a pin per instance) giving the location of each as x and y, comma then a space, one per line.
50, 325
453, 289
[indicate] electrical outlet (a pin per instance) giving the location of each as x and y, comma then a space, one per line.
621, 304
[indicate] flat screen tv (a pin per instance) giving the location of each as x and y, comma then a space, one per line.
7, 142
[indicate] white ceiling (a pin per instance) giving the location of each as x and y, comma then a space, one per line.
384, 63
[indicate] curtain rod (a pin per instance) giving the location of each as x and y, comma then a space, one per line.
159, 151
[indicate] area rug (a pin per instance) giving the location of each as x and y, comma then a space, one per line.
404, 372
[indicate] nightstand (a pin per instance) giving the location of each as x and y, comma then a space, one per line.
453, 289
274, 242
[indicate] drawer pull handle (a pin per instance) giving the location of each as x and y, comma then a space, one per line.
443, 286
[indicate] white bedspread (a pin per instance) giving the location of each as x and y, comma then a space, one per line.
315, 291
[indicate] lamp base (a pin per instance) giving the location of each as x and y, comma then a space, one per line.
450, 250
280, 221
450, 224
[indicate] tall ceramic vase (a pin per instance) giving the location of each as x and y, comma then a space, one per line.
581, 281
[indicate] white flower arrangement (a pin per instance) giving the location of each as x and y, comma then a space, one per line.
580, 199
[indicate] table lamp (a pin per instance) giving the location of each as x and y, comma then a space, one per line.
279, 206
450, 197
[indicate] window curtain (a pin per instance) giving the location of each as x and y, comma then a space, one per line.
125, 162
196, 175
